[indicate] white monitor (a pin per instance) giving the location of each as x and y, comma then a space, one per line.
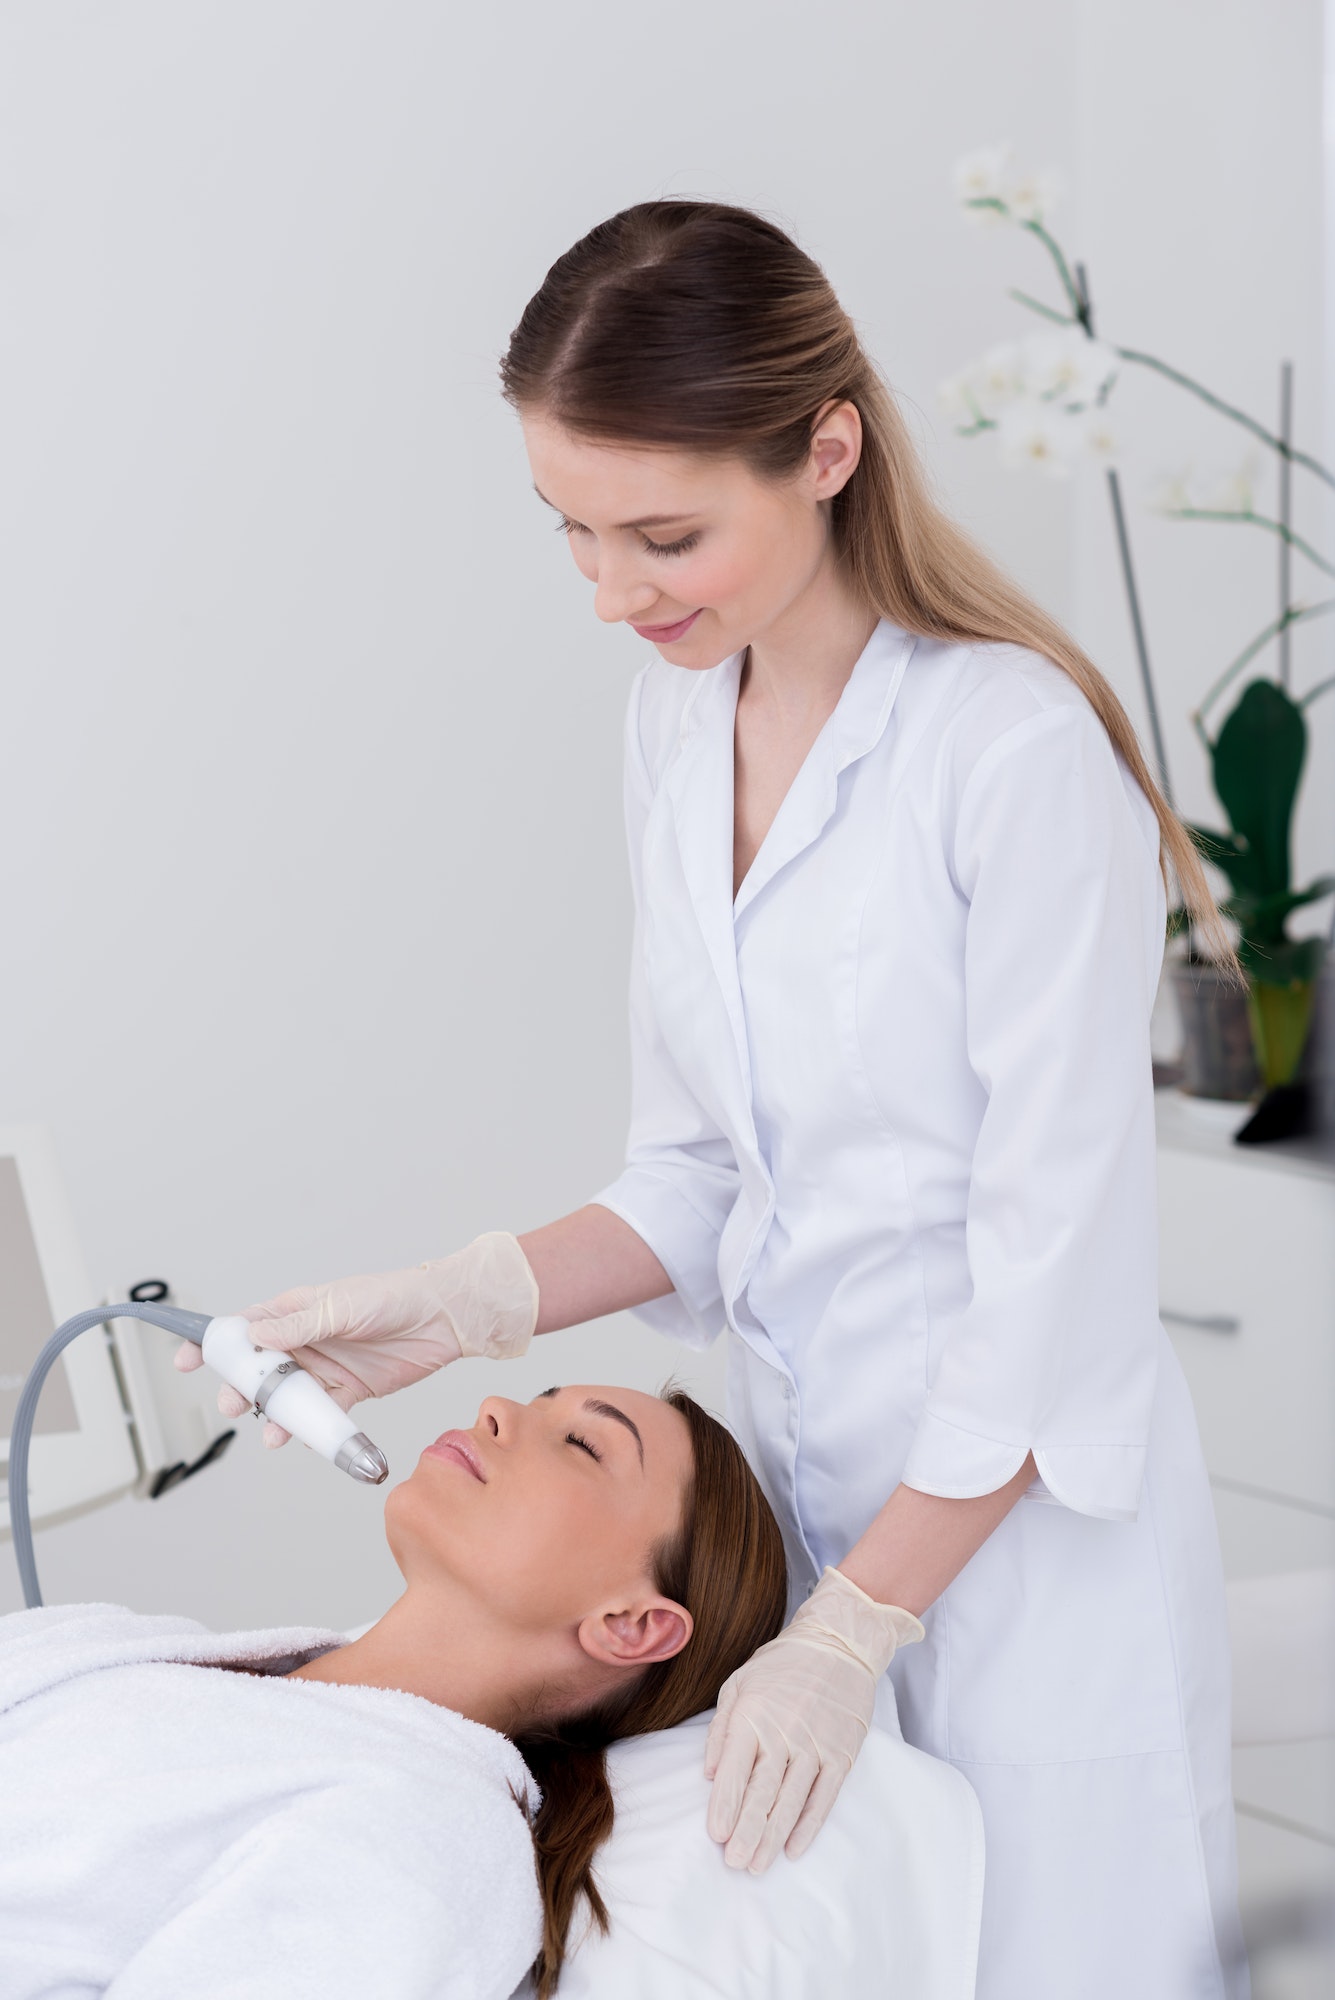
82, 1450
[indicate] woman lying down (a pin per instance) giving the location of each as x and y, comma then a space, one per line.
414, 1812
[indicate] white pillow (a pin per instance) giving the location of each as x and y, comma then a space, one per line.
885, 1904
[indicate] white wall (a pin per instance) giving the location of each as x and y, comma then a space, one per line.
1202, 223
315, 906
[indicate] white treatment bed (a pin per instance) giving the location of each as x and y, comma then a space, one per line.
884, 1906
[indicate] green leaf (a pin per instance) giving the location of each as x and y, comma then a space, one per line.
1258, 763
1288, 963
1255, 912
1226, 852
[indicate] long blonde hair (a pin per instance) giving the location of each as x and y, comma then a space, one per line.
702, 326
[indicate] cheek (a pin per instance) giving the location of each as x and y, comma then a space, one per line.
538, 1552
746, 571
547, 1563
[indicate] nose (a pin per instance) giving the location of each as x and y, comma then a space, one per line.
618, 593
496, 1418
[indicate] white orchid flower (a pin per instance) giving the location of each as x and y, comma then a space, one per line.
955, 399
1232, 491
1066, 366
1170, 492
998, 377
981, 176
1038, 435
1034, 196
1100, 438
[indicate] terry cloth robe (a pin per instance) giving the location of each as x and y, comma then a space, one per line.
167, 1828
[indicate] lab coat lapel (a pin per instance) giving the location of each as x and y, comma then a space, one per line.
855, 727
699, 788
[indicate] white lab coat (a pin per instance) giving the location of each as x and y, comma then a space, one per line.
892, 1125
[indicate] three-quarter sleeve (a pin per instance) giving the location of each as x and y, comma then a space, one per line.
1056, 1351
681, 1178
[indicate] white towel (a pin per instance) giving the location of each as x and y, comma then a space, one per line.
167, 1829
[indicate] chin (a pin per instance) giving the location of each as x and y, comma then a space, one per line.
699, 659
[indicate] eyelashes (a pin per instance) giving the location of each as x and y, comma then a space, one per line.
573, 1437
679, 548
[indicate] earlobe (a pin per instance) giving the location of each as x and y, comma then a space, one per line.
638, 1635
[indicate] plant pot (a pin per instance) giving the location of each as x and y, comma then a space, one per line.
1280, 1018
1218, 1059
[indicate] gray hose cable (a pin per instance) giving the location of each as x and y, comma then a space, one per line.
190, 1326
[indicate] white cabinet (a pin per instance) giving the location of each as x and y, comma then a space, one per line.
1247, 1295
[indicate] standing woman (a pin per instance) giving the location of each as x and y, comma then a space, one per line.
899, 881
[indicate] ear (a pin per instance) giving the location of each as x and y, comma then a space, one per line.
836, 447
635, 1635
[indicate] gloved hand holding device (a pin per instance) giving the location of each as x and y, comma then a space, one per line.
367, 1336
791, 1721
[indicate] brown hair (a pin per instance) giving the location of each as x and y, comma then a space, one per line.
704, 327
726, 1565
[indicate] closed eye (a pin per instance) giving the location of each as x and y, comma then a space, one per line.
680, 548
565, 526
573, 1437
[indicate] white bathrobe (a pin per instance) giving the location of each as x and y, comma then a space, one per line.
168, 1829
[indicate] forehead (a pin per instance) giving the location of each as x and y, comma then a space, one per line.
626, 480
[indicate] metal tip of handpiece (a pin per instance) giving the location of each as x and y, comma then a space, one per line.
364, 1460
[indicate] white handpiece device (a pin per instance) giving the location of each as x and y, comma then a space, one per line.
282, 1389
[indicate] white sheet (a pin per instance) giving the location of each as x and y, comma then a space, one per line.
884, 1906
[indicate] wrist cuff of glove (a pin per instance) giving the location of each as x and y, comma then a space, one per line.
841, 1614
489, 1295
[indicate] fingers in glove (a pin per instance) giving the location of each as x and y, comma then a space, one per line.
784, 1814
297, 1327
718, 1728
762, 1789
231, 1403
732, 1772
188, 1357
274, 1435
817, 1808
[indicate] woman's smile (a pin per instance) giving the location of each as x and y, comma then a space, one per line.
665, 635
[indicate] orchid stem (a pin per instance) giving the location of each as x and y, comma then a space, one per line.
1037, 305
1276, 444
1257, 521
1297, 614
1079, 311
1084, 306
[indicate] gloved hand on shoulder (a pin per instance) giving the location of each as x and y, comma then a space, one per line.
368, 1336
791, 1721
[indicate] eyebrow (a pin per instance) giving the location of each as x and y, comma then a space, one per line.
649, 520
601, 1409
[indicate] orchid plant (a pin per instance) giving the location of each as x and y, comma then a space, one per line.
1046, 399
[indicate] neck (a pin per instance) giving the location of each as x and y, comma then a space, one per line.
800, 665
450, 1654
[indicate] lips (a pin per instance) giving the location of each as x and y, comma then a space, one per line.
458, 1448
665, 635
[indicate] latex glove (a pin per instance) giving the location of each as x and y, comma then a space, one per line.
791, 1722
368, 1336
